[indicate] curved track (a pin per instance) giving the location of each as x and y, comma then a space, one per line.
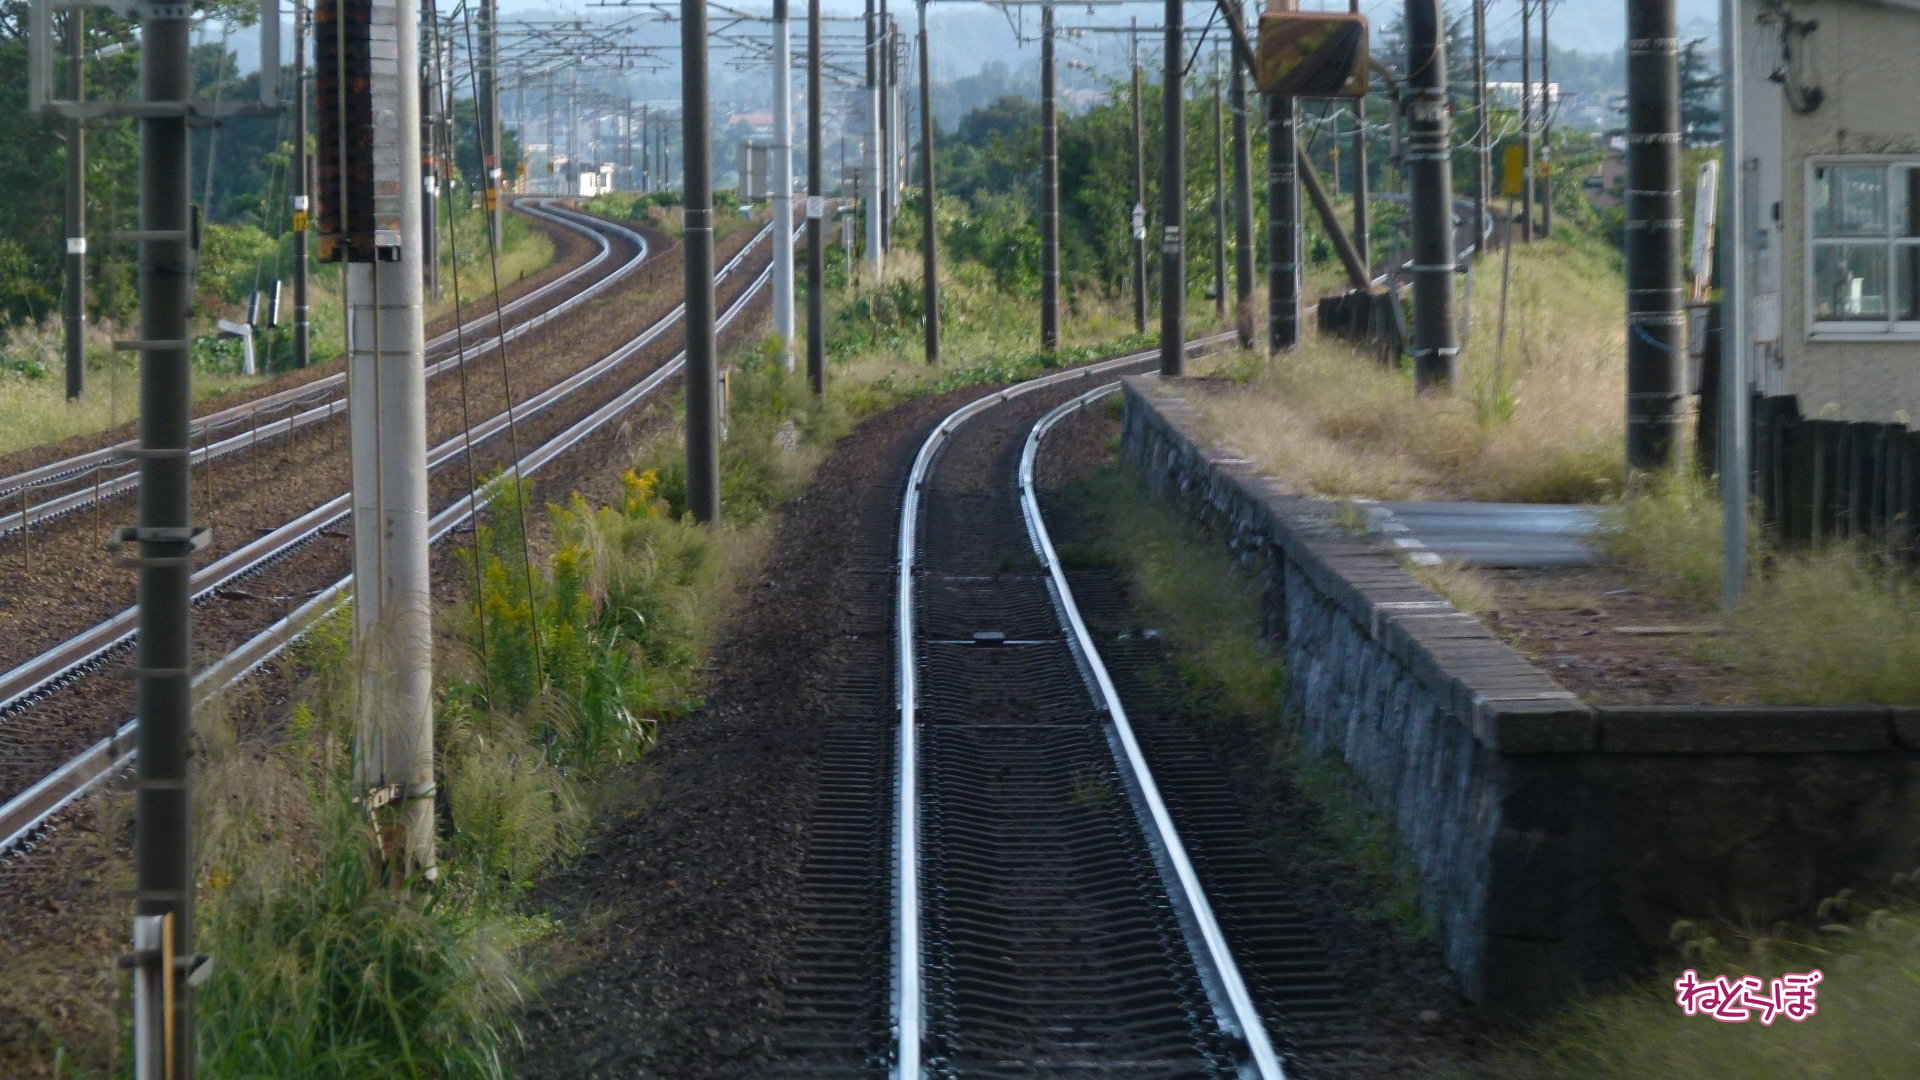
40, 494
83, 655
1048, 921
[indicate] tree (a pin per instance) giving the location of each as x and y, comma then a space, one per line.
1699, 95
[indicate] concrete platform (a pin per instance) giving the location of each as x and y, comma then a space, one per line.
1491, 535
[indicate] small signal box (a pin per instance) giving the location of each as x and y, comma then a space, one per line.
1312, 54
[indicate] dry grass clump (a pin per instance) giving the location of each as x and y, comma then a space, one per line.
1863, 1029
1667, 532
1837, 624
1544, 424
1831, 626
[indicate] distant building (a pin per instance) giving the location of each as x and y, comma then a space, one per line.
1832, 275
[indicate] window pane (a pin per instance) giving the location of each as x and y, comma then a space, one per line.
1850, 283
1850, 200
1906, 198
1906, 277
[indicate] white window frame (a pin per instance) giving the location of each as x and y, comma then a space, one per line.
1892, 329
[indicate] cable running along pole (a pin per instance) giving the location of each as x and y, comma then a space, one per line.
1049, 188
1219, 194
1482, 136
1548, 100
703, 417
930, 201
1362, 212
1430, 168
870, 158
1173, 197
1526, 114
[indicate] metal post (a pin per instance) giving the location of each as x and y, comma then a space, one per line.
1430, 168
302, 200
1655, 321
1173, 197
1139, 188
782, 149
870, 155
930, 200
387, 418
1219, 195
76, 223
1362, 182
1526, 113
1049, 187
1283, 224
816, 213
646, 158
1483, 135
1242, 199
429, 174
703, 417
1547, 103
1735, 356
489, 109
163, 696
883, 61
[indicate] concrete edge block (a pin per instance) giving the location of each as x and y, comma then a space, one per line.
1752, 729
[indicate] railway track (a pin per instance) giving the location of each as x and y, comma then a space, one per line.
41, 494
1048, 920
50, 773
1022, 860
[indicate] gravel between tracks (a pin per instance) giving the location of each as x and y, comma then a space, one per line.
679, 922
91, 708
570, 249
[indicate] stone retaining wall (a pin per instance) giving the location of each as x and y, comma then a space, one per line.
1555, 842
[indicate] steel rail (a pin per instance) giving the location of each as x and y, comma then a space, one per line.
908, 977
22, 816
1206, 941
329, 387
60, 664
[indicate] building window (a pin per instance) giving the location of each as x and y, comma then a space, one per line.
1865, 237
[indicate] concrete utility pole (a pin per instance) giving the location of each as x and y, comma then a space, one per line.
1526, 112
1173, 198
375, 189
816, 213
930, 201
165, 539
1242, 195
75, 305
1362, 212
1482, 136
302, 200
783, 181
1430, 168
870, 189
1735, 355
1139, 188
703, 389
489, 109
1283, 217
1547, 104
1656, 326
1049, 188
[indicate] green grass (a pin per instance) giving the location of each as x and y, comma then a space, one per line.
34, 410
1831, 624
1539, 420
1864, 1028
1208, 611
